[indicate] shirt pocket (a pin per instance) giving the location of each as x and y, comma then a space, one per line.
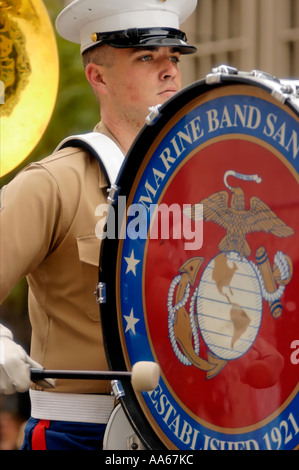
89, 252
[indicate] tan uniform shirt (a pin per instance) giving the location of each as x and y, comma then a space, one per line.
48, 234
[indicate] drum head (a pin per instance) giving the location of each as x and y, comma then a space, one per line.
119, 434
202, 274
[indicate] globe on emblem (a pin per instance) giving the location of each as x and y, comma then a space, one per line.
229, 305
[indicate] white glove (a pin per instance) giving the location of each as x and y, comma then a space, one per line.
15, 365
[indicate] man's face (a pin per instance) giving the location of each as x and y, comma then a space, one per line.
140, 78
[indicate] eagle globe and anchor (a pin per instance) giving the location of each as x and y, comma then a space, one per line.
226, 306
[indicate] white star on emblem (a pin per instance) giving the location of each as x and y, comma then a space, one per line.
132, 262
131, 322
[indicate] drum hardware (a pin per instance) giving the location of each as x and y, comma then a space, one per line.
264, 75
227, 69
100, 293
153, 115
113, 192
290, 87
134, 443
280, 94
281, 90
217, 72
117, 389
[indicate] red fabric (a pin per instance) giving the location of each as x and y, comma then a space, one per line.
38, 436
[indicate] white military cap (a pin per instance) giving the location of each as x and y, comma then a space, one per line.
126, 23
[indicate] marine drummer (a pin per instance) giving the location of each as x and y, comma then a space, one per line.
48, 216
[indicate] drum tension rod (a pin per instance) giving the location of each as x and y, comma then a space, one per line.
100, 293
153, 115
113, 193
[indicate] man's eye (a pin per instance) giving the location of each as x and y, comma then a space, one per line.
148, 57
175, 59
145, 58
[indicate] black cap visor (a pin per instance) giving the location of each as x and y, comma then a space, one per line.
155, 37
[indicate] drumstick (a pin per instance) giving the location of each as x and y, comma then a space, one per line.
40, 374
144, 376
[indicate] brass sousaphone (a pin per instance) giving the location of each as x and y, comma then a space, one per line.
29, 78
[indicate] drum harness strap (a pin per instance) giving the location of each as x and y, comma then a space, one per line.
105, 150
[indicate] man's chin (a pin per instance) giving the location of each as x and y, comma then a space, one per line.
162, 98
166, 95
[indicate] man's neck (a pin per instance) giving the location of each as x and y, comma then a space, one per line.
122, 133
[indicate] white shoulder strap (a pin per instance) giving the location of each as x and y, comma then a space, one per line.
102, 147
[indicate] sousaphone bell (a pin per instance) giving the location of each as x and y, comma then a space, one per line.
29, 78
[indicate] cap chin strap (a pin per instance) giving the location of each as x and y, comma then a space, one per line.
130, 36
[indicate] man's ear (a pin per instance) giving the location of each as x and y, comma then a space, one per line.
94, 74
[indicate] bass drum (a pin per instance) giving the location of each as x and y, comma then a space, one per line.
119, 434
200, 264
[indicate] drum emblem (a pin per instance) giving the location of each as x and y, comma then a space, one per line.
226, 306
214, 305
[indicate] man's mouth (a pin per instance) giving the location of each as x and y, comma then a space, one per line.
168, 92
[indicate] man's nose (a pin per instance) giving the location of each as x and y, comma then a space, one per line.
169, 69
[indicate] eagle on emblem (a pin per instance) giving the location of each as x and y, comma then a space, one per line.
236, 220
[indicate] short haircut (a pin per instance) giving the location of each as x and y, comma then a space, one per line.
100, 55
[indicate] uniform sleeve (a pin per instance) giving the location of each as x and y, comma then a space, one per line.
30, 221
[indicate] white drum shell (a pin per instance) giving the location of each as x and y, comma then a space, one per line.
119, 434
